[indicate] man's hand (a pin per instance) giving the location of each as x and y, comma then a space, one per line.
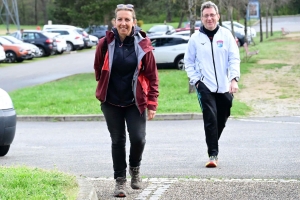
233, 86
151, 114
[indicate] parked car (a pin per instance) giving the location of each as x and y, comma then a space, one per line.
15, 52
98, 31
184, 33
94, 39
86, 39
160, 30
240, 36
46, 45
169, 50
187, 26
8, 121
73, 38
35, 51
2, 54
237, 26
61, 44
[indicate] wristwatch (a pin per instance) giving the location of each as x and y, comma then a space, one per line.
237, 79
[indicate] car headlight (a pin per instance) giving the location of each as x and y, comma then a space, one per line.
21, 50
5, 100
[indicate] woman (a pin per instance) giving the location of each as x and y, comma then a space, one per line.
127, 78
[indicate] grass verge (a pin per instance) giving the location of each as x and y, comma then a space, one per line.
20, 182
74, 95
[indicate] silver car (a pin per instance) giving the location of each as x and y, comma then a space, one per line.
8, 121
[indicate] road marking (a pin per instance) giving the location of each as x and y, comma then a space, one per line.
266, 121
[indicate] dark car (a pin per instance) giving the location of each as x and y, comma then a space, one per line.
85, 37
238, 35
160, 30
46, 45
98, 31
8, 121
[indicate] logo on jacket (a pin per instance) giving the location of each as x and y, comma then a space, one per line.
220, 43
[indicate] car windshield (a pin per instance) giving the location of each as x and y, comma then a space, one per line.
159, 28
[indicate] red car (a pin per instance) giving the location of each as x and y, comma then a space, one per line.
15, 52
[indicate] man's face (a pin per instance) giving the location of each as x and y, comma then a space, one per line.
210, 18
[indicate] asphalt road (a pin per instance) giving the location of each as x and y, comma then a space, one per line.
289, 23
38, 71
249, 148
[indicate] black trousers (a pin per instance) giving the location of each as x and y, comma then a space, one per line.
136, 126
216, 110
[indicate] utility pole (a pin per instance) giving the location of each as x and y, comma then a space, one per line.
9, 13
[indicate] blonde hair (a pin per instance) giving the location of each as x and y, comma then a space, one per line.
126, 7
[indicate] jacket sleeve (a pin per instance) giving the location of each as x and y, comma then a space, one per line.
233, 59
190, 61
150, 72
99, 59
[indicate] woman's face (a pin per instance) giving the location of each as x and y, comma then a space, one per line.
124, 23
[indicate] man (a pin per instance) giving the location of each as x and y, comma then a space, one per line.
212, 63
20, 34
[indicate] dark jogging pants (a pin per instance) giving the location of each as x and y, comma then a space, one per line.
216, 110
136, 126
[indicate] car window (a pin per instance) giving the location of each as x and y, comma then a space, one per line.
37, 36
61, 32
166, 42
28, 36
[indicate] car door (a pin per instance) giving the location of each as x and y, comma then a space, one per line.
167, 49
29, 37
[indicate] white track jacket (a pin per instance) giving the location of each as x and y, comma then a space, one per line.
214, 63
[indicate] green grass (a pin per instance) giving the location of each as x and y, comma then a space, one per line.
20, 182
74, 95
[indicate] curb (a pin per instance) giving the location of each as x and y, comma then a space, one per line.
71, 118
86, 190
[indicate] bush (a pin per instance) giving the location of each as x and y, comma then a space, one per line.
140, 23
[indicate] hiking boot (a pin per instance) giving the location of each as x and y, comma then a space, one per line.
135, 177
213, 161
120, 187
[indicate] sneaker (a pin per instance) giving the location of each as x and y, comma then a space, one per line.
120, 187
213, 161
135, 177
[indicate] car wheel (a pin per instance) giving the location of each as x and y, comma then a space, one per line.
70, 46
11, 56
4, 150
179, 63
42, 50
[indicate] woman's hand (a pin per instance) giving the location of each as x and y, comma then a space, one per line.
151, 114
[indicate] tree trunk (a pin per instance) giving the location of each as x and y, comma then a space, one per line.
260, 26
271, 16
267, 22
181, 19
